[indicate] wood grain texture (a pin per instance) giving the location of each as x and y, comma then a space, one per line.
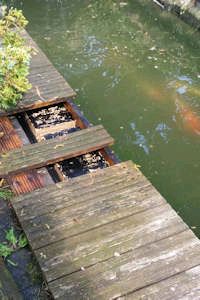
51, 151
72, 254
78, 190
184, 286
78, 218
86, 207
131, 271
48, 85
107, 235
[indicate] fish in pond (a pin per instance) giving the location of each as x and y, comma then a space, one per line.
190, 118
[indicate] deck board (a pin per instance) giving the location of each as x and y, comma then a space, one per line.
51, 151
119, 236
106, 235
132, 270
184, 286
48, 85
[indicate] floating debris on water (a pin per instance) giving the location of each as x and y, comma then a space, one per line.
122, 4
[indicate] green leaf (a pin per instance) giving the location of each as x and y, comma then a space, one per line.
10, 236
5, 250
12, 263
22, 242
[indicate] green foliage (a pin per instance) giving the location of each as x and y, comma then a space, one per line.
10, 237
5, 250
14, 59
5, 194
22, 242
12, 244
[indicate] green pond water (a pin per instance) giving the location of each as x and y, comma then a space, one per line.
136, 70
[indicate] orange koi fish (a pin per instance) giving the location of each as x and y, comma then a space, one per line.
190, 118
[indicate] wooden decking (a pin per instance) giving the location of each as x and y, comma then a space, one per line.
104, 235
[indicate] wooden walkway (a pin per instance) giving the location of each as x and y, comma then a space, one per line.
104, 235
109, 234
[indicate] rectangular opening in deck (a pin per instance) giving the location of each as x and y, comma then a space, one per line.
49, 122
81, 165
52, 121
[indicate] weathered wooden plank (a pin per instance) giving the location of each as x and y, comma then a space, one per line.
123, 168
45, 145
131, 271
51, 151
81, 217
48, 86
77, 197
70, 255
77, 190
184, 286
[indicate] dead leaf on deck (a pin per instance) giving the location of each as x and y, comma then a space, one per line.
4, 155
47, 226
59, 186
22, 213
76, 220
38, 93
137, 167
1, 182
58, 146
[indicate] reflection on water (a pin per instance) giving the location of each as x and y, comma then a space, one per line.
149, 138
137, 71
140, 140
163, 131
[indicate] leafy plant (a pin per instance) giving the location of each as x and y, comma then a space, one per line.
5, 250
10, 237
12, 244
5, 194
22, 241
14, 58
